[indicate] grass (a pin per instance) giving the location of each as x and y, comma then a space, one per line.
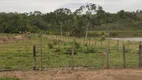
18, 55
8, 78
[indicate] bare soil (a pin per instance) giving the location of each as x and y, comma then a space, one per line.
4, 39
59, 74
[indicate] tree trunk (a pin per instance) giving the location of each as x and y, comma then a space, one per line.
86, 35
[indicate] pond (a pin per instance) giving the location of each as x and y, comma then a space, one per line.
127, 39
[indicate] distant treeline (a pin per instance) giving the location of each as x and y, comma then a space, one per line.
87, 17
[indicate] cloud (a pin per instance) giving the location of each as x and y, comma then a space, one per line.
51, 5
29, 5
128, 5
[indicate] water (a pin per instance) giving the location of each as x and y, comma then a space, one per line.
127, 39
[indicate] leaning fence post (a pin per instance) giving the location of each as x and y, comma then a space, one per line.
73, 48
34, 57
124, 57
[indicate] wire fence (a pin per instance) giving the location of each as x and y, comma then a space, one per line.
39, 53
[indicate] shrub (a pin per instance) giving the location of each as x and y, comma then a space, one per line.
89, 49
57, 49
50, 45
77, 45
55, 42
69, 51
113, 34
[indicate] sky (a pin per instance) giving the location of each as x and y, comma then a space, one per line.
50, 5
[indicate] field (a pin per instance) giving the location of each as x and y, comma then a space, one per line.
90, 58
18, 53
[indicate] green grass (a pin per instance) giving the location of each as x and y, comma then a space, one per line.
18, 55
8, 78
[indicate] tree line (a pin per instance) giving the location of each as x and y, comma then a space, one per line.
65, 22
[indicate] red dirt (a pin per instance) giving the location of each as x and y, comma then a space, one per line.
111, 74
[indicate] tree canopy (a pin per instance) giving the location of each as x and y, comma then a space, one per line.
86, 17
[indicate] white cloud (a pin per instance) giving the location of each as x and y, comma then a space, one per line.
50, 5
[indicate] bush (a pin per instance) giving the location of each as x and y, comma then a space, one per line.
55, 42
50, 45
77, 45
113, 34
57, 49
69, 51
89, 49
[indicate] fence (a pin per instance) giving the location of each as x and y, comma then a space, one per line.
41, 52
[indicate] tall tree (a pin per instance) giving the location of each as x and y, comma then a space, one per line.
88, 9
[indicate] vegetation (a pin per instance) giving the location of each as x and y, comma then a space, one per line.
65, 22
19, 55
88, 26
8, 78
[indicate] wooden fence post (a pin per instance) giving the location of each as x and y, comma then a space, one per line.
117, 45
109, 44
108, 51
107, 57
34, 57
124, 56
73, 48
140, 55
41, 53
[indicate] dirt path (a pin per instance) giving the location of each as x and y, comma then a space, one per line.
112, 74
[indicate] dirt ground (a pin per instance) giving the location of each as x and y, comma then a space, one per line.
111, 74
4, 39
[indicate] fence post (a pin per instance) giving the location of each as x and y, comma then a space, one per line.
89, 40
107, 57
109, 44
140, 55
124, 57
117, 45
72, 54
108, 51
34, 57
41, 53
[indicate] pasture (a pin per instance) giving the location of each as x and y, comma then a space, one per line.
56, 52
